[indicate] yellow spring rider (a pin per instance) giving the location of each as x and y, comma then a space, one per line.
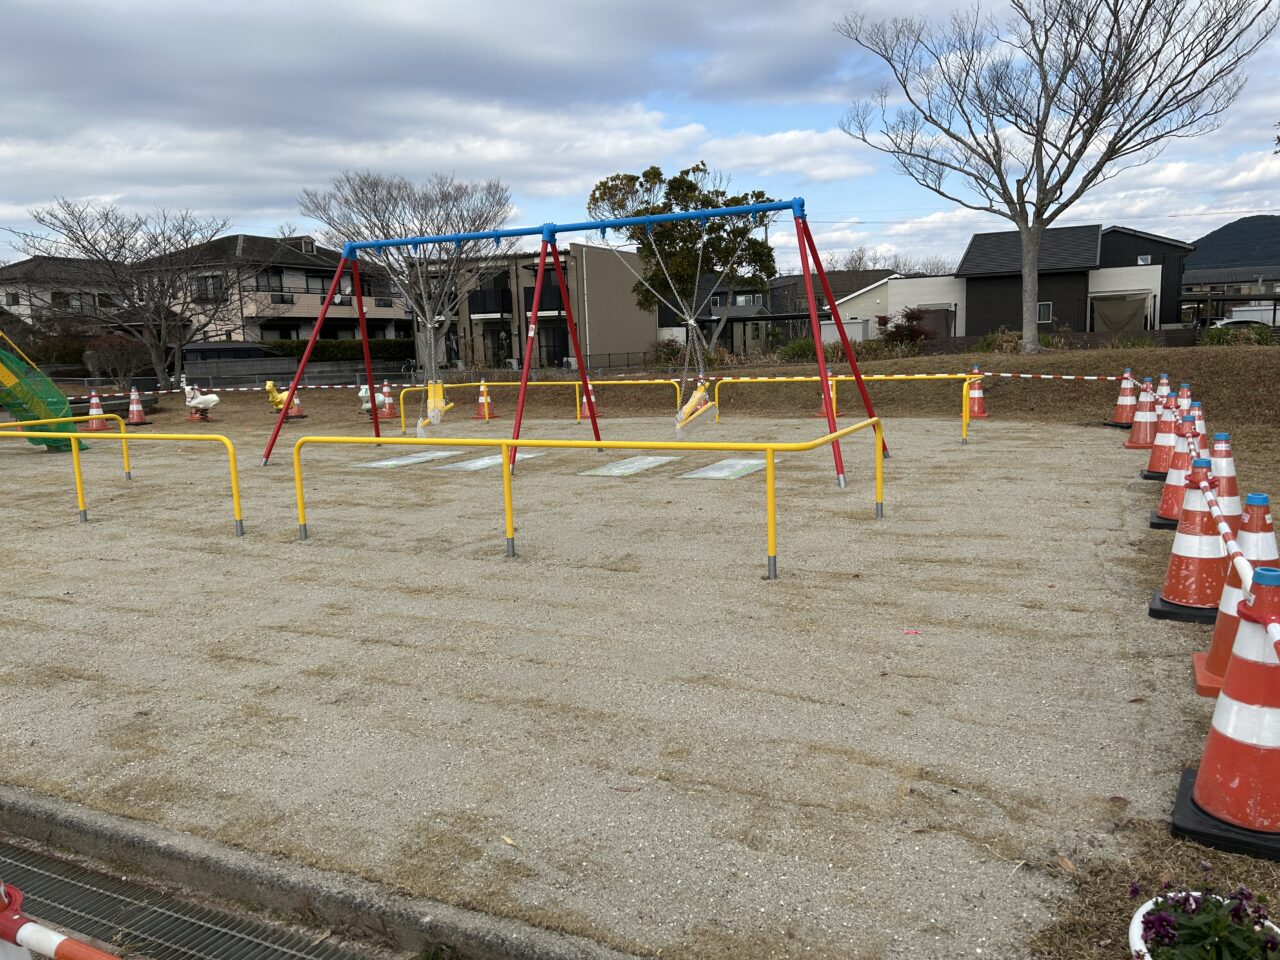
278, 400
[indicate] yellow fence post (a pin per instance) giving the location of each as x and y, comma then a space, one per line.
964, 412
879, 438
75, 466
771, 513
506, 500
124, 443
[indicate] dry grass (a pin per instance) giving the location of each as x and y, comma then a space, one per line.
1093, 921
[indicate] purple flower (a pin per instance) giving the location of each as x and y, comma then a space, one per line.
1271, 944
1158, 928
1134, 889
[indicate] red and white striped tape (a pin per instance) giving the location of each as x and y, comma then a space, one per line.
320, 386
1052, 376
1243, 567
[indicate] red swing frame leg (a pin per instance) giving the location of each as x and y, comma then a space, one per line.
532, 324
306, 355
573, 339
827, 407
364, 339
844, 337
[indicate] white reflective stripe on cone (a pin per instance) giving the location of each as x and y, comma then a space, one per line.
1197, 547
1223, 468
1165, 439
1195, 501
1251, 643
1231, 597
1252, 544
1229, 505
1127, 400
40, 939
1245, 723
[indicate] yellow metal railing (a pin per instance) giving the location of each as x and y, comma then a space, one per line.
83, 418
769, 449
846, 378
125, 439
575, 384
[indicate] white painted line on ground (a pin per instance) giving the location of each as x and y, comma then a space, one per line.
626, 468
484, 463
408, 459
730, 469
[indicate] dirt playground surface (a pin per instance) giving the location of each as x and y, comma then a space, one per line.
623, 733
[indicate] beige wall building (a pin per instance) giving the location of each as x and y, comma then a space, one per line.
612, 330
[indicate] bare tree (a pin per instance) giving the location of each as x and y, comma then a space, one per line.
861, 258
363, 205
1021, 119
157, 278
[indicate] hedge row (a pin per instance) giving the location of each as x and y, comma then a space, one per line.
400, 349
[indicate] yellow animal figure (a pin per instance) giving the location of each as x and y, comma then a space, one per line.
699, 402
278, 399
275, 396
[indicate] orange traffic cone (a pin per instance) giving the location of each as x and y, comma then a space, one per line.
1224, 471
484, 405
95, 410
1231, 801
1257, 543
591, 400
137, 416
1142, 435
1166, 439
1165, 516
1184, 397
1202, 437
1162, 388
1126, 403
977, 400
1198, 564
295, 409
387, 409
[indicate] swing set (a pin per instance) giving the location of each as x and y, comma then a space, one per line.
699, 401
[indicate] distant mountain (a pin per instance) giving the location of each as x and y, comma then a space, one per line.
1247, 242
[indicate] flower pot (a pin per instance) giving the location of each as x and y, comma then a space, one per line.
1135, 929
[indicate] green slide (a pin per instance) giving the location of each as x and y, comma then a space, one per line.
29, 395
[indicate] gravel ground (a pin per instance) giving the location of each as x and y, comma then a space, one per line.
623, 733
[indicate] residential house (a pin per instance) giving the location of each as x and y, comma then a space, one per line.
1113, 280
48, 288
1239, 293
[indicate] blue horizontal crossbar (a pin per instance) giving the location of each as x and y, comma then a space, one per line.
548, 231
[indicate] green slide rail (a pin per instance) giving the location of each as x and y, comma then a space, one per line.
29, 395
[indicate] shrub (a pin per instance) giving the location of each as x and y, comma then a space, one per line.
884, 350
799, 350
906, 327
1124, 342
1252, 335
666, 351
118, 357
1002, 340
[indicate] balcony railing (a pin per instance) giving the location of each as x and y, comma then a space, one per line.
489, 302
376, 294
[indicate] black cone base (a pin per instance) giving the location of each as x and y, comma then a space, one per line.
1162, 609
1118, 426
1154, 475
1157, 522
1192, 822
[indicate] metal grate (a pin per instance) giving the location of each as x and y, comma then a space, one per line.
140, 922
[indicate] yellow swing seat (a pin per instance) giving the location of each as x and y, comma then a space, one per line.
698, 404
437, 407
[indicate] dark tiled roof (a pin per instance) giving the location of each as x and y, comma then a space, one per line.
248, 248
1151, 236
843, 282
1231, 274
46, 270
1061, 249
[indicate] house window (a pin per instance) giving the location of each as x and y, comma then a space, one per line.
209, 289
106, 301
1045, 312
317, 283
270, 280
717, 300
1144, 260
308, 246
60, 300
11, 299
746, 299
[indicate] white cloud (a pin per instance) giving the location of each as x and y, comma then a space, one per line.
817, 156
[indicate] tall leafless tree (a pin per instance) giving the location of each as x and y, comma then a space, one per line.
862, 258
1022, 118
156, 277
364, 205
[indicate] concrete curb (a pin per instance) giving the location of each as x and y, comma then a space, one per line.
348, 904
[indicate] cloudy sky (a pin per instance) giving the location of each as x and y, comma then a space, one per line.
233, 108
